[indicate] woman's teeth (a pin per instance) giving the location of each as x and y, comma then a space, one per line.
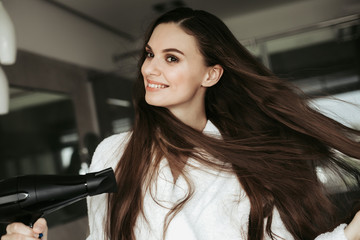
152, 85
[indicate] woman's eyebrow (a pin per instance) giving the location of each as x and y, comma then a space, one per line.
167, 49
173, 50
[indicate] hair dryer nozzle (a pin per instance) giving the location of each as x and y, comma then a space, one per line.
101, 182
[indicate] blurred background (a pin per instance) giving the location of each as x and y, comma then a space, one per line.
70, 85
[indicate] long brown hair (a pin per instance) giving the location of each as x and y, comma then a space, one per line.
271, 139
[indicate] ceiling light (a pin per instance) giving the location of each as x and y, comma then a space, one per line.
7, 55
7, 38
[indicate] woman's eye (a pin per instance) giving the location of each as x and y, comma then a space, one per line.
172, 59
149, 55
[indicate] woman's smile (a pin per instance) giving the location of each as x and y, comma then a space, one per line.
153, 85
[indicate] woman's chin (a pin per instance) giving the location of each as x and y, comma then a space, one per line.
153, 102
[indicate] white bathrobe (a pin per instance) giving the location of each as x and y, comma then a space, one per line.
218, 210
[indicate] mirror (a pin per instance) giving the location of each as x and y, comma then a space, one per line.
39, 136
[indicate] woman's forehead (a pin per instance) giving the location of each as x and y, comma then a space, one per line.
171, 35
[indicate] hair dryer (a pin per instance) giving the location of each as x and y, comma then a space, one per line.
27, 198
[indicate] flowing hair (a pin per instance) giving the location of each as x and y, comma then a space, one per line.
271, 139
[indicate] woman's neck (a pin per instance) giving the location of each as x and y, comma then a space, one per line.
195, 120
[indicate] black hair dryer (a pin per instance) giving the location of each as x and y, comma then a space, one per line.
27, 198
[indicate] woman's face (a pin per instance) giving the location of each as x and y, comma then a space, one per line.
174, 71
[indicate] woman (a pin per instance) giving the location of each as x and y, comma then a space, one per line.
220, 147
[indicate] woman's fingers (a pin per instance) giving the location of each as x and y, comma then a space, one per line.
17, 236
18, 230
17, 227
40, 227
352, 231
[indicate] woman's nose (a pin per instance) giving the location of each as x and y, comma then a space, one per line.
150, 67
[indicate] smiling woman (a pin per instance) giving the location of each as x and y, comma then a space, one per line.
221, 147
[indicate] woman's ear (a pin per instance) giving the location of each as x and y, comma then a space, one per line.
213, 76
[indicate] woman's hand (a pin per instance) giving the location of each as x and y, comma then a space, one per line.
21, 231
352, 231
